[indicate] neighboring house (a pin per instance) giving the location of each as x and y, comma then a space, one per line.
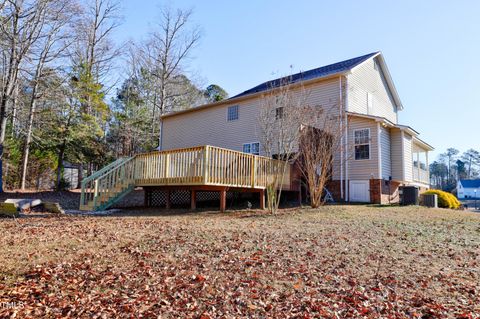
468, 188
379, 155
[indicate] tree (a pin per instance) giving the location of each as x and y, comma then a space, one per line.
94, 48
450, 156
129, 131
20, 29
279, 121
438, 174
320, 141
472, 159
54, 38
214, 93
166, 53
460, 170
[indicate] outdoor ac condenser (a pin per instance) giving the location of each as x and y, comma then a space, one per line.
408, 195
430, 200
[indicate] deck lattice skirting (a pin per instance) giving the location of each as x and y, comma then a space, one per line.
196, 168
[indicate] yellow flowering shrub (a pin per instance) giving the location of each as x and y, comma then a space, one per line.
445, 199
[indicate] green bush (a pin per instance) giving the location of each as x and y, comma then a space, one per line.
445, 200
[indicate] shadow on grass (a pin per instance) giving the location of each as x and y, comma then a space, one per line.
383, 205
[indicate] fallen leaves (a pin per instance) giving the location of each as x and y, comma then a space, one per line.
340, 262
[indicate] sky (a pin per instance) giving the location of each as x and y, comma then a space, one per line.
432, 50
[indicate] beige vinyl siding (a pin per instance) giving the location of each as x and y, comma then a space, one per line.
407, 157
366, 80
209, 126
385, 152
396, 154
367, 168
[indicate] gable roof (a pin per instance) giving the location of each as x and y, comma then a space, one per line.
317, 73
324, 72
470, 183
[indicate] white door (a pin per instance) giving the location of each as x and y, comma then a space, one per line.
360, 191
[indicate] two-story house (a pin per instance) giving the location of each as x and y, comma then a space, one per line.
379, 154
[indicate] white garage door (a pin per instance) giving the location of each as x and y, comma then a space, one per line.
360, 191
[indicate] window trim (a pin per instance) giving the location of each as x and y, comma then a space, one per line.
369, 144
228, 112
251, 148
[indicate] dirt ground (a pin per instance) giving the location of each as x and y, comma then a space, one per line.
332, 262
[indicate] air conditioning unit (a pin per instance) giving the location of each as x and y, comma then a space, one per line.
429, 200
409, 195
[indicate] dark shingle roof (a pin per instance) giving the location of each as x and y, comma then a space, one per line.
470, 183
308, 75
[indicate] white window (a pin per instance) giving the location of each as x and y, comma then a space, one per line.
232, 113
252, 148
362, 144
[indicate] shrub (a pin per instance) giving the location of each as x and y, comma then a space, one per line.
445, 200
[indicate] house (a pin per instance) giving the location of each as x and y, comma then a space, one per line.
378, 153
468, 188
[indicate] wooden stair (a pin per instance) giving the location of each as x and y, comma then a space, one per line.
108, 185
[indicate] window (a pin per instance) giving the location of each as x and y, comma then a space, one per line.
279, 113
232, 113
362, 144
252, 148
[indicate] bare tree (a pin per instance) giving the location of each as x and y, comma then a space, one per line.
320, 142
167, 51
55, 37
20, 29
95, 50
280, 120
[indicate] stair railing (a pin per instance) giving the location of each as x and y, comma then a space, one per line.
91, 185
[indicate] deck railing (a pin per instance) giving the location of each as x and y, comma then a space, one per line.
421, 175
203, 165
207, 165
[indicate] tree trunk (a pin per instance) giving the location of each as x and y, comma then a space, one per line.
61, 153
80, 175
28, 138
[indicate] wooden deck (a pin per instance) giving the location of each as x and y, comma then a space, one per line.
204, 166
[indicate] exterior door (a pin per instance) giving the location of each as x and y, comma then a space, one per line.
360, 191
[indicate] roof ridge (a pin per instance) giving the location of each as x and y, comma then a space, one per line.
319, 72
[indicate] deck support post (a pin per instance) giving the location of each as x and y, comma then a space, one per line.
223, 200
193, 199
145, 197
168, 202
262, 199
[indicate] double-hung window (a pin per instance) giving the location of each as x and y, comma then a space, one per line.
232, 113
362, 144
252, 148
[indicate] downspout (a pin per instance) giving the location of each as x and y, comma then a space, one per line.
379, 150
347, 189
403, 156
160, 140
342, 141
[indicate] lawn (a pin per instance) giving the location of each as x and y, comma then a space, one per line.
334, 262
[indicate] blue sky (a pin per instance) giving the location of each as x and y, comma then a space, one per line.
432, 49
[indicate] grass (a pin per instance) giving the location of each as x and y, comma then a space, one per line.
333, 262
